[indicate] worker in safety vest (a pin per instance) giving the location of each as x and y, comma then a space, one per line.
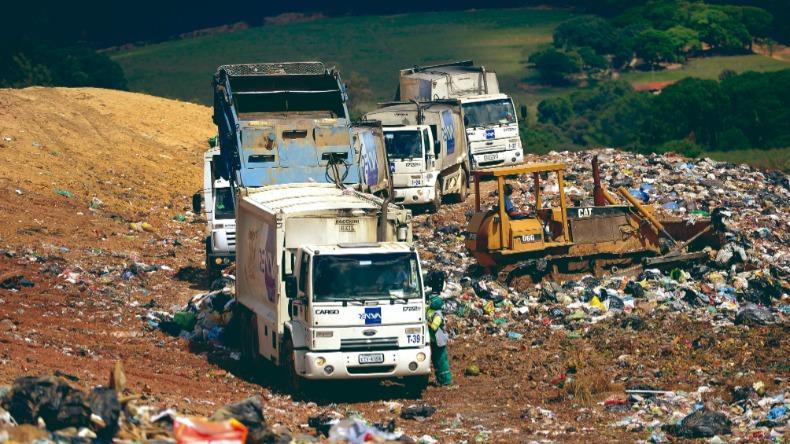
437, 332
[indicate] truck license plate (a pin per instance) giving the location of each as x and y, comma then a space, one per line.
371, 358
489, 157
416, 182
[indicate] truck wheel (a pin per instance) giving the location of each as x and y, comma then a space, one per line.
462, 195
292, 378
249, 334
415, 385
437, 197
211, 270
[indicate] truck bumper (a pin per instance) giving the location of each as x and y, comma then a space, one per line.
417, 195
501, 158
345, 365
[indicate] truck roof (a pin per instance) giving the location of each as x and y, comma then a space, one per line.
362, 248
297, 198
411, 107
441, 70
484, 98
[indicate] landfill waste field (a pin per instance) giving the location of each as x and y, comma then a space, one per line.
112, 330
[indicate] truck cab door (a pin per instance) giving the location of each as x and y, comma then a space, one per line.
431, 158
299, 304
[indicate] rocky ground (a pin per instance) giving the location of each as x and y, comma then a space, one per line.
97, 235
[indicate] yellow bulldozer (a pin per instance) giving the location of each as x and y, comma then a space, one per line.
558, 239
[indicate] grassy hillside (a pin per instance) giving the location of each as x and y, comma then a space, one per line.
710, 68
368, 50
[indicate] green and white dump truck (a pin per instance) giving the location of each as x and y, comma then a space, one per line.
329, 284
489, 116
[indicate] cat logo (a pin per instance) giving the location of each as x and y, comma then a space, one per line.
585, 212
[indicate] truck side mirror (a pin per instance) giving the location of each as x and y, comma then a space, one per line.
290, 287
524, 113
196, 199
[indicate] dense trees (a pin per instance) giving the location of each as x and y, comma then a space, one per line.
750, 110
26, 63
556, 66
654, 32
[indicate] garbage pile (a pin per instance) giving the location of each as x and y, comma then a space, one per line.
204, 318
751, 412
50, 409
743, 282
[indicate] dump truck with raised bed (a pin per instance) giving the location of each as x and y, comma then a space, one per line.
329, 285
489, 116
426, 149
288, 123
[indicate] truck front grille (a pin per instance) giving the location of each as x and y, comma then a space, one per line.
231, 239
368, 344
490, 163
370, 369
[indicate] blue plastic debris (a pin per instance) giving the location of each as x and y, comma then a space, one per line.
777, 412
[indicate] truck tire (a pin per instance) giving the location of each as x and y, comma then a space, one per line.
415, 385
293, 380
249, 337
462, 195
211, 270
437, 196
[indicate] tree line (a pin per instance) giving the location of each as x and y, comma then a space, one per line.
749, 110
649, 34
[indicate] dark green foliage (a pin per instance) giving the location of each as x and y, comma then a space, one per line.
594, 32
592, 61
594, 99
26, 64
691, 108
750, 110
555, 66
555, 110
760, 108
655, 47
542, 138
618, 124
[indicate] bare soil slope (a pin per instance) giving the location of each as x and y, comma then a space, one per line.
137, 154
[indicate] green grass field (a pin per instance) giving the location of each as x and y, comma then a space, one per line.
778, 158
368, 50
709, 68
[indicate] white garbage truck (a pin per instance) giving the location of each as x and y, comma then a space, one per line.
329, 285
489, 116
218, 201
426, 149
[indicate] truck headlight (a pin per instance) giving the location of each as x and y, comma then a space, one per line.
217, 260
421, 356
324, 334
413, 330
320, 361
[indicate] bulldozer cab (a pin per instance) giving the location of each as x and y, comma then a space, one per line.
495, 230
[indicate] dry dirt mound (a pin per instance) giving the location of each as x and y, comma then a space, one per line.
61, 147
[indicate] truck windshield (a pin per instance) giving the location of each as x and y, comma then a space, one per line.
365, 276
493, 112
403, 144
223, 204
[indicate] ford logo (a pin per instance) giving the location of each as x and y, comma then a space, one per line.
369, 332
